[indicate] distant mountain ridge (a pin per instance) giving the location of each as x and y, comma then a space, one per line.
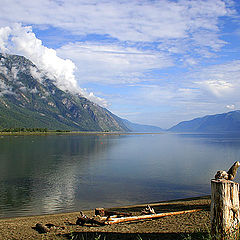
29, 98
134, 127
224, 122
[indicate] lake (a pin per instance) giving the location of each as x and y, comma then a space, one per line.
49, 174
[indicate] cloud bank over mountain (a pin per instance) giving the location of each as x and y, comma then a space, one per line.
21, 40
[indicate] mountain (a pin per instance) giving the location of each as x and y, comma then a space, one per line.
225, 122
134, 127
29, 98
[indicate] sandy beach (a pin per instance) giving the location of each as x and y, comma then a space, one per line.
193, 225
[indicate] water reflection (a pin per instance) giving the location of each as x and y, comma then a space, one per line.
40, 174
46, 174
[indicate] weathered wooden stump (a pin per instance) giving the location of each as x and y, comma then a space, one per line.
224, 209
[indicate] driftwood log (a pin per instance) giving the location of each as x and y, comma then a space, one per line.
83, 220
230, 174
114, 220
41, 228
103, 212
224, 209
47, 227
109, 220
148, 210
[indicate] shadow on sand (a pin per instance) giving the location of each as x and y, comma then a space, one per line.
134, 236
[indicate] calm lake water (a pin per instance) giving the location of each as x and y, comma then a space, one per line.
48, 174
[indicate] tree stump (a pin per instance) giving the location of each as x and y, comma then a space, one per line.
224, 209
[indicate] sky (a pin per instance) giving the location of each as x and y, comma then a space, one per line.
154, 62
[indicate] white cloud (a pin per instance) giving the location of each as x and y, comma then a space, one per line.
177, 27
21, 40
112, 63
37, 74
231, 107
92, 97
208, 90
217, 87
208, 39
216, 84
4, 33
25, 42
220, 80
138, 21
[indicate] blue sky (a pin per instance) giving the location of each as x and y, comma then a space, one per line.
151, 62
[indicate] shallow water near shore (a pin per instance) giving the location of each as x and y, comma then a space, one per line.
49, 174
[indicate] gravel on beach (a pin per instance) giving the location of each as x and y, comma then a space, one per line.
193, 225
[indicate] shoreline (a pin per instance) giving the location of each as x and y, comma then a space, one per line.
2, 134
167, 227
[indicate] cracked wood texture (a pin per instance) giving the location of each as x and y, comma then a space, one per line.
224, 209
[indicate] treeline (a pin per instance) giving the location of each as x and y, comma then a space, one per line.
59, 131
17, 130
24, 130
